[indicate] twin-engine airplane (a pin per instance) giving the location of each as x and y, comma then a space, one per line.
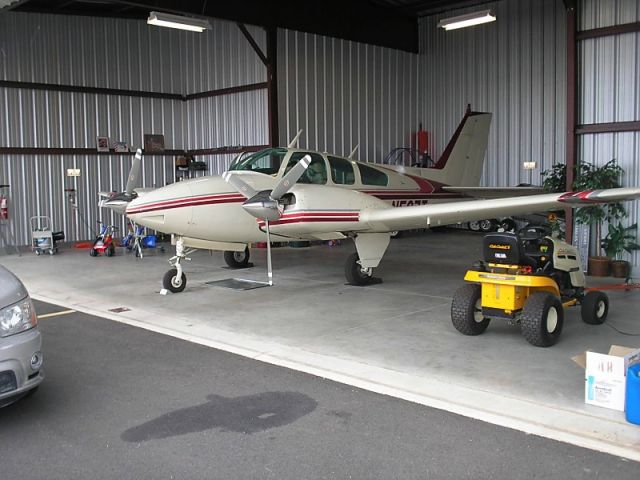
290, 194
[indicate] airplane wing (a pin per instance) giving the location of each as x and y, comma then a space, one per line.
421, 216
495, 192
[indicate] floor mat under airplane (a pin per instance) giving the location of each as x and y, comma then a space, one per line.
237, 284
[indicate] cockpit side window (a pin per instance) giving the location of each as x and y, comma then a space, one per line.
371, 176
265, 161
316, 172
341, 171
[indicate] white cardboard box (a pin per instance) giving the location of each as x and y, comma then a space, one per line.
605, 375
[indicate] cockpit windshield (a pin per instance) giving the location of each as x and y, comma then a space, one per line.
265, 161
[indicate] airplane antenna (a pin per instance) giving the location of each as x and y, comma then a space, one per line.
353, 152
294, 143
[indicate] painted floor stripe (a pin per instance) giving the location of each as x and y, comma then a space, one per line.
56, 314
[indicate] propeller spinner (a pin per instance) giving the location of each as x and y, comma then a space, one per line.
266, 203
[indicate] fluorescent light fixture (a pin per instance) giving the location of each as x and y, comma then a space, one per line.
467, 20
178, 21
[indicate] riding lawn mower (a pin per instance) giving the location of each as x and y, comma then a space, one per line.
527, 279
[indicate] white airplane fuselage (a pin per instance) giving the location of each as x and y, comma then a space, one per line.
208, 208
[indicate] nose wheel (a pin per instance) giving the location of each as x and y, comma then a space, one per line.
175, 280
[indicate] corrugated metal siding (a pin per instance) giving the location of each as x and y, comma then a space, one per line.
94, 52
606, 13
343, 93
610, 92
36, 118
222, 57
516, 69
229, 120
124, 54
38, 184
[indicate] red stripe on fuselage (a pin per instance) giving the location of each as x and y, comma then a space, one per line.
187, 202
314, 217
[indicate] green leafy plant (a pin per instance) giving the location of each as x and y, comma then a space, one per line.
554, 180
589, 177
620, 239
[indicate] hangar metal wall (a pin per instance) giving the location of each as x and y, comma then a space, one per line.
609, 73
344, 93
119, 54
514, 68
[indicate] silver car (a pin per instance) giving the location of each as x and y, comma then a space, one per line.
20, 341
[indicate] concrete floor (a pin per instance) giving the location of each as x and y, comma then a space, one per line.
394, 338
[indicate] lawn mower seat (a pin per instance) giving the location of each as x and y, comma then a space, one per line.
535, 243
506, 249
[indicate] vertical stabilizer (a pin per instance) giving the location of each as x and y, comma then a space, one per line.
461, 162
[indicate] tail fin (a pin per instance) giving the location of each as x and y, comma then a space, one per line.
461, 162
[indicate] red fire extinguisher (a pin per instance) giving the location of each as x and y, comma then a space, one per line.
4, 208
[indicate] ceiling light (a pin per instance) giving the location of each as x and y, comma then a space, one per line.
177, 21
467, 20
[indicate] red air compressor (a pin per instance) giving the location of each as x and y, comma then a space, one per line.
420, 143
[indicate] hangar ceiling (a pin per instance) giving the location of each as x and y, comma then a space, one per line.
388, 23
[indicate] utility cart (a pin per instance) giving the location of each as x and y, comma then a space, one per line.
43, 238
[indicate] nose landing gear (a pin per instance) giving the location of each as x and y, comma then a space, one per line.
175, 280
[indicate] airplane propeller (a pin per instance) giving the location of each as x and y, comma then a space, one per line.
134, 173
118, 201
266, 204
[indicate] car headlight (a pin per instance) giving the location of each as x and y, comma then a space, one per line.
17, 318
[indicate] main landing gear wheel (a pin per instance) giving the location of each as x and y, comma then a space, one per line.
356, 275
466, 310
237, 259
595, 307
171, 282
542, 319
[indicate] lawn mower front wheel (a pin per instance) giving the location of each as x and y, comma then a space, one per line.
466, 310
542, 319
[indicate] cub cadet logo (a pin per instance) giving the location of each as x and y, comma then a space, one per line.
496, 246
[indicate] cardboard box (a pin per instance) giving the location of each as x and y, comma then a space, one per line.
605, 375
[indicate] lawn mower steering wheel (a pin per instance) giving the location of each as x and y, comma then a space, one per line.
534, 232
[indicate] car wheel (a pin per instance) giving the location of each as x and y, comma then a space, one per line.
508, 225
487, 226
542, 319
466, 310
595, 307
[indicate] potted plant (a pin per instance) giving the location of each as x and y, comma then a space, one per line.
591, 177
620, 239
